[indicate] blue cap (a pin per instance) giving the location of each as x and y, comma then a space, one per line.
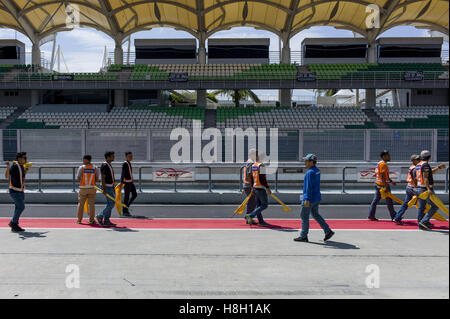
310, 157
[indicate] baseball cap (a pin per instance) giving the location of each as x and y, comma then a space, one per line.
310, 157
425, 154
415, 157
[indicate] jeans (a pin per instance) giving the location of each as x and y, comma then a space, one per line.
19, 203
251, 205
376, 200
421, 217
106, 213
314, 210
261, 204
410, 192
129, 189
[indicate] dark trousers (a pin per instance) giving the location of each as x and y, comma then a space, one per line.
262, 203
376, 200
129, 188
251, 205
19, 205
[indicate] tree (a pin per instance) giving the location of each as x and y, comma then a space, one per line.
238, 95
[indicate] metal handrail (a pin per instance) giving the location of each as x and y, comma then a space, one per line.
53, 167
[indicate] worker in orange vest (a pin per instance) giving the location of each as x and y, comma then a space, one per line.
383, 180
410, 192
247, 189
425, 182
88, 176
260, 189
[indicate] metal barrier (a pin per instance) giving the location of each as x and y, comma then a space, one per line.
210, 181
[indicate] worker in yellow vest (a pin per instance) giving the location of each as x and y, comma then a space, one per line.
88, 176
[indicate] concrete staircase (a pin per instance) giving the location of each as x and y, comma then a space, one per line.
375, 118
14, 116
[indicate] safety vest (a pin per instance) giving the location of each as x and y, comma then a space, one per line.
246, 181
21, 179
131, 174
112, 174
255, 174
378, 173
419, 175
88, 176
409, 177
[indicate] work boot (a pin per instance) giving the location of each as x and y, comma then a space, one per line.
398, 222
92, 222
430, 225
127, 214
301, 239
264, 224
79, 222
373, 219
15, 228
329, 235
249, 220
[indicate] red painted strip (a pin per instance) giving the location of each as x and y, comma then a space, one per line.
215, 224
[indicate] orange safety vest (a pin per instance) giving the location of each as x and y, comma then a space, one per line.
131, 174
419, 175
246, 181
255, 173
409, 177
382, 169
88, 176
21, 178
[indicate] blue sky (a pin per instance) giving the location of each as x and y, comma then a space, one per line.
83, 48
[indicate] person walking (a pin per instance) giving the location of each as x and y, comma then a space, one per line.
311, 200
425, 183
108, 184
88, 176
127, 180
16, 173
383, 180
260, 189
410, 189
247, 188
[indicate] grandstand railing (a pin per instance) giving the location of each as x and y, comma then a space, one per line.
274, 57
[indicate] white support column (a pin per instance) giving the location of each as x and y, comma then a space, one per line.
367, 145
201, 59
36, 54
434, 145
285, 95
372, 56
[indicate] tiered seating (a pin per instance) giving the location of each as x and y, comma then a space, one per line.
5, 68
6, 111
356, 71
286, 118
415, 117
160, 72
118, 118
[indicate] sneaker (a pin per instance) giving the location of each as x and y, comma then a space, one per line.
398, 222
264, 224
373, 219
302, 240
249, 220
79, 222
329, 235
423, 226
127, 215
92, 222
107, 223
99, 220
430, 225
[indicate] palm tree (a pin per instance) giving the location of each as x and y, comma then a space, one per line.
238, 95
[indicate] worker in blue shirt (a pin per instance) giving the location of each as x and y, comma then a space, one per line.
311, 200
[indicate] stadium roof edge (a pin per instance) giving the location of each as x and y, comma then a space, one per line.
202, 18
